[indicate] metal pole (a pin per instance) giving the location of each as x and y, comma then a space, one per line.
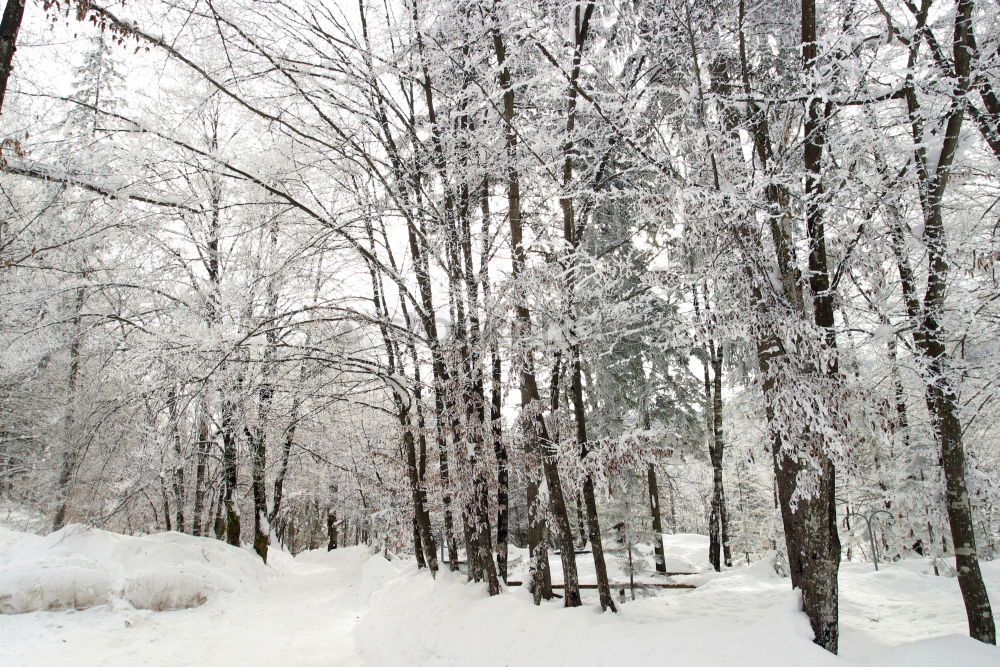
871, 540
871, 533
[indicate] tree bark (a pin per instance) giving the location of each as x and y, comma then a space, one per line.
9, 27
654, 509
930, 337
573, 235
178, 475
71, 455
533, 425
589, 498
331, 530
200, 472
496, 401
231, 520
286, 451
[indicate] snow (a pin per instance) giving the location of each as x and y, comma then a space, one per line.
349, 607
80, 567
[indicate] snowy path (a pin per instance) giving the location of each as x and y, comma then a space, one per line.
305, 615
347, 607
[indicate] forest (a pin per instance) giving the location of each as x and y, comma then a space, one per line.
473, 283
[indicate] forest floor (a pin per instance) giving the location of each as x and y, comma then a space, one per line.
351, 608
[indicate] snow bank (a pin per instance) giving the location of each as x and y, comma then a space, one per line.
937, 652
449, 622
684, 552
742, 616
80, 567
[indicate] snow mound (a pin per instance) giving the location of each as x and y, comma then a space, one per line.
685, 552
450, 622
80, 567
164, 590
746, 615
76, 583
948, 650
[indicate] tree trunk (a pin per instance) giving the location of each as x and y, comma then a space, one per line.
331, 530
573, 236
654, 508
720, 443
714, 518
178, 475
201, 470
9, 27
496, 400
718, 530
535, 433
930, 337
165, 497
503, 475
71, 455
589, 499
261, 526
219, 514
418, 547
424, 539
229, 472
719, 550
286, 451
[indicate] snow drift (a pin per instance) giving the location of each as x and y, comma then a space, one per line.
742, 616
350, 607
80, 567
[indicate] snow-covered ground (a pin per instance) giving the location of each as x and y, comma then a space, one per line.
350, 608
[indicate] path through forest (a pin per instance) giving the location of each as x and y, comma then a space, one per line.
352, 607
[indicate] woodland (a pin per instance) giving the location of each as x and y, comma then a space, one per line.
455, 279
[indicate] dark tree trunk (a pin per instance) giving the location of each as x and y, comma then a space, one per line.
71, 455
581, 523
9, 27
930, 337
810, 525
718, 528
503, 482
715, 514
286, 452
261, 528
165, 496
465, 304
572, 233
719, 551
229, 471
331, 530
424, 539
201, 471
589, 499
654, 508
418, 547
496, 401
536, 435
720, 443
178, 476
213, 268
541, 575
219, 522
